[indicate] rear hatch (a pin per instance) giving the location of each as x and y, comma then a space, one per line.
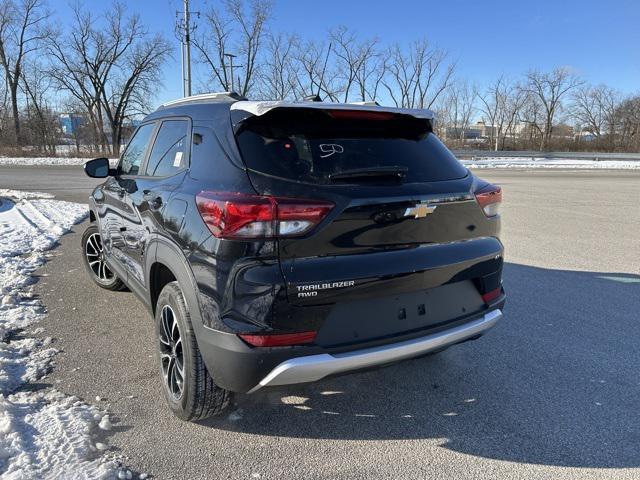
405, 240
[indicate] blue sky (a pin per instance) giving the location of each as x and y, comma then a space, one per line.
600, 39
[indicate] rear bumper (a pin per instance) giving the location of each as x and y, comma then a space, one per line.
315, 367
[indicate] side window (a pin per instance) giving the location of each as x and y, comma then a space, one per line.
134, 153
169, 152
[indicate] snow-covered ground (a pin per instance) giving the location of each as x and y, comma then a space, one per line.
43, 433
39, 161
541, 162
478, 162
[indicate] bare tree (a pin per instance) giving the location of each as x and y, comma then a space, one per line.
628, 123
37, 85
457, 108
252, 26
311, 76
594, 110
417, 77
514, 101
351, 56
7, 135
549, 89
369, 76
491, 105
501, 103
22, 28
241, 28
279, 73
112, 71
212, 44
134, 84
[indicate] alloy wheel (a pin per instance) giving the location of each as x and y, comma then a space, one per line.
171, 352
95, 257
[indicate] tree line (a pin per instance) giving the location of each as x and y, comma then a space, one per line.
103, 66
106, 67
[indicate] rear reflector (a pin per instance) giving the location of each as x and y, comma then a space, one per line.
281, 340
489, 199
492, 295
237, 215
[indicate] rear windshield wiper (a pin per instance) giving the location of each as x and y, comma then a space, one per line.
396, 173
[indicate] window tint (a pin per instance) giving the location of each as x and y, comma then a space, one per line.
134, 153
312, 147
169, 153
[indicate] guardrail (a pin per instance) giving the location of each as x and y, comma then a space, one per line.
594, 156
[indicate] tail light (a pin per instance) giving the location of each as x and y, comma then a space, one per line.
492, 295
238, 215
279, 340
489, 199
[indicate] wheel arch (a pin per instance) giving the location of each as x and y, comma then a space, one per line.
168, 257
167, 263
159, 276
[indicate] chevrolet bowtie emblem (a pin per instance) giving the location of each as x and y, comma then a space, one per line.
421, 210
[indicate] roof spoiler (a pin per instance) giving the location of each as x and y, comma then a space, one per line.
258, 108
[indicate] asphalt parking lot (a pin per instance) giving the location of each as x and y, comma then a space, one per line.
551, 393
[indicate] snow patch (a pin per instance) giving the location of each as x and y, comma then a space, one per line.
49, 435
542, 162
105, 423
48, 161
42, 433
477, 162
20, 195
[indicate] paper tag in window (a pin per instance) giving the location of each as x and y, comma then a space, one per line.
178, 159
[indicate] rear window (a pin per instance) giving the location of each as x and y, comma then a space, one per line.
310, 146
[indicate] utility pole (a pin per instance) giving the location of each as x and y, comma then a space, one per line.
186, 67
184, 30
231, 56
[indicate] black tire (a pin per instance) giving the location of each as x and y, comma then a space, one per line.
93, 259
197, 397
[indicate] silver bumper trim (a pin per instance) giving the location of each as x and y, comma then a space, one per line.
316, 367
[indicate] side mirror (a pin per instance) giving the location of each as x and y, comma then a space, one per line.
97, 168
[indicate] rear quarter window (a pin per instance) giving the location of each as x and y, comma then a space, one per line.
169, 153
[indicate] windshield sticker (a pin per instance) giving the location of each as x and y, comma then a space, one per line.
177, 160
329, 149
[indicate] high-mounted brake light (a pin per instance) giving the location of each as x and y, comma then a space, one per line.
360, 115
237, 215
279, 340
489, 199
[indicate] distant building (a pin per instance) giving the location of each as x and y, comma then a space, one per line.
475, 131
70, 122
563, 130
585, 136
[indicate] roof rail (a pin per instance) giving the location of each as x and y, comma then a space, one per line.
204, 96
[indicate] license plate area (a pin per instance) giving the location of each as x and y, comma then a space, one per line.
369, 319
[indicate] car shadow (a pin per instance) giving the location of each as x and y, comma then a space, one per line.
555, 383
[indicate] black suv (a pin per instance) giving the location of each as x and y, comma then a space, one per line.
282, 242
